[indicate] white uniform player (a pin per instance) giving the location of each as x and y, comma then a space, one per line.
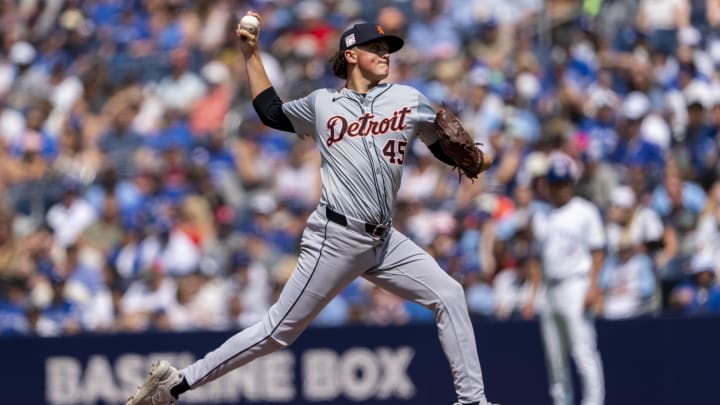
570, 242
362, 132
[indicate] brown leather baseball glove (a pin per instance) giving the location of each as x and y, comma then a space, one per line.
459, 145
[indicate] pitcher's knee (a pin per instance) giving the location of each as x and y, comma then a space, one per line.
285, 335
276, 344
449, 294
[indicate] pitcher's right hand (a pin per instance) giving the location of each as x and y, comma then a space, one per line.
248, 41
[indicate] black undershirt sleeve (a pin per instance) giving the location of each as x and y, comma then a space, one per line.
269, 108
439, 153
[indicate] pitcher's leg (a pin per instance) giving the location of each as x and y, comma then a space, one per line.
330, 259
411, 273
239, 349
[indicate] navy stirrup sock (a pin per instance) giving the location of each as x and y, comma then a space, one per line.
180, 388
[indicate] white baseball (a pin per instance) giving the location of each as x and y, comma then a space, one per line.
250, 23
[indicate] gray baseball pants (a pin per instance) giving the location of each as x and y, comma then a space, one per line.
333, 255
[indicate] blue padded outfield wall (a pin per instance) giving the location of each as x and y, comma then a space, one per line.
649, 361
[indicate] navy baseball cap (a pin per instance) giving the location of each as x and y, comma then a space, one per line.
363, 33
562, 169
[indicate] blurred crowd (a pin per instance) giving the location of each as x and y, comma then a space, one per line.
140, 191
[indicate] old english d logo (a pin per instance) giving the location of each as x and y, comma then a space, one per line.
380, 30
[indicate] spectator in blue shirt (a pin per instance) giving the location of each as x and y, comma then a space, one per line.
600, 125
61, 316
698, 144
213, 152
128, 29
632, 148
121, 141
700, 294
13, 296
36, 136
433, 34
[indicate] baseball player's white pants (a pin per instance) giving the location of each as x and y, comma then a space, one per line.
567, 328
331, 256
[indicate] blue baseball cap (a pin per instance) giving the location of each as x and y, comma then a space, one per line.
362, 33
562, 169
240, 259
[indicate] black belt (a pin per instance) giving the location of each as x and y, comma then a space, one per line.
340, 219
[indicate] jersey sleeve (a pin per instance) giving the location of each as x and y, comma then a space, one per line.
301, 113
595, 230
537, 225
425, 120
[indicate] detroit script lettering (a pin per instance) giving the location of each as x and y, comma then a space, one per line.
338, 126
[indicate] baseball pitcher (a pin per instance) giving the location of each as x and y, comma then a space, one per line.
362, 131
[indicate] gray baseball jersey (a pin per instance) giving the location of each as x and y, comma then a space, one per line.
363, 140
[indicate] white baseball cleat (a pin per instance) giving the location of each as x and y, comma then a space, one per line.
487, 403
156, 389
